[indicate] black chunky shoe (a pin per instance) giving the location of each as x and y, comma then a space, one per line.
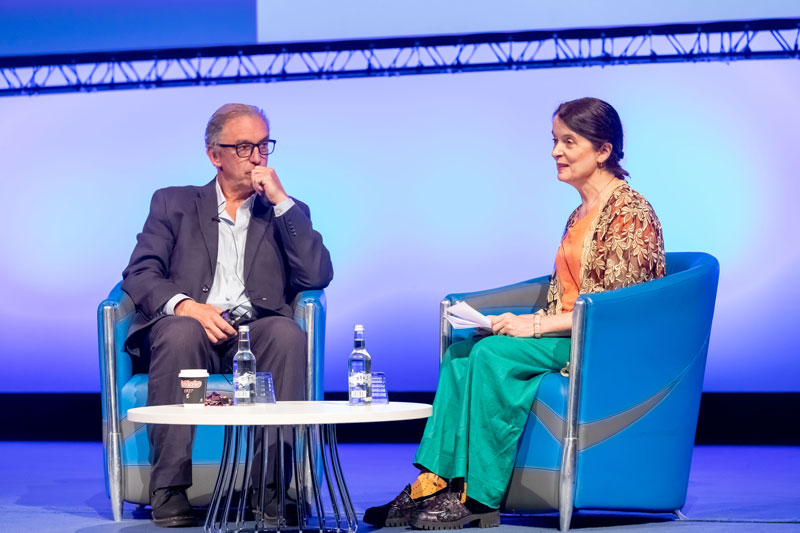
445, 511
171, 508
397, 512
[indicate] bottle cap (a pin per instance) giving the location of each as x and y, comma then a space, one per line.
244, 328
359, 327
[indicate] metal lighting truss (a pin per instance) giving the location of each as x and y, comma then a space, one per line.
431, 54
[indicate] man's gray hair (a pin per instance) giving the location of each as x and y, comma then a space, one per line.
228, 112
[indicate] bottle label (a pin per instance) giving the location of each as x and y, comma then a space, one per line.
242, 394
358, 379
358, 393
244, 380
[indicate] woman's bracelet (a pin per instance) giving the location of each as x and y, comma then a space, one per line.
537, 326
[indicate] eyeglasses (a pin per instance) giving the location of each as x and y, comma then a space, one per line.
246, 149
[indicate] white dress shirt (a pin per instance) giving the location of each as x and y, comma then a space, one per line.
227, 290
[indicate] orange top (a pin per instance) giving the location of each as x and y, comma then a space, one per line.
568, 259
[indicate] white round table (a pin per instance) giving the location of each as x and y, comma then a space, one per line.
313, 429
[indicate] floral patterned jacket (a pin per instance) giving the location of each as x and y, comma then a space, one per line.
623, 246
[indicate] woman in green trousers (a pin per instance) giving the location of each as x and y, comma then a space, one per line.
486, 387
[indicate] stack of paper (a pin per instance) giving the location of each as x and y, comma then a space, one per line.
461, 316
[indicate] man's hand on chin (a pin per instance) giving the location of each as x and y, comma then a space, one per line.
266, 183
209, 317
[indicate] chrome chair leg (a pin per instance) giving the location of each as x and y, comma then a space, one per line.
115, 474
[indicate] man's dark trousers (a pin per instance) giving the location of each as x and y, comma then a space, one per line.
174, 343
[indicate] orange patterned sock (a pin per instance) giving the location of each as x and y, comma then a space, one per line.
427, 483
464, 494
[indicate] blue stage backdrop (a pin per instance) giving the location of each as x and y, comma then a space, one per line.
420, 185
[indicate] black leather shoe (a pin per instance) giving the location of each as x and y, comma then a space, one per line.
271, 511
397, 512
445, 511
171, 508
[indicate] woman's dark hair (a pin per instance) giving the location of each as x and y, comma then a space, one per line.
599, 122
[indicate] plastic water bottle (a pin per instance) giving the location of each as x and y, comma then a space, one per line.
244, 371
359, 373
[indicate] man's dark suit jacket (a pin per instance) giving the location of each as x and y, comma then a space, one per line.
176, 252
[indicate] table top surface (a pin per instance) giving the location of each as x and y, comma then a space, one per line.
278, 414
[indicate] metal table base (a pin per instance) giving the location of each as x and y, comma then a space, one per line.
312, 447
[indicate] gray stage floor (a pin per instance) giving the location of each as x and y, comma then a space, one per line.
58, 487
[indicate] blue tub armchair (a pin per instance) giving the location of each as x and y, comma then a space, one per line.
618, 433
125, 445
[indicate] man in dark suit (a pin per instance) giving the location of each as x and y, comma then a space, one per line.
238, 243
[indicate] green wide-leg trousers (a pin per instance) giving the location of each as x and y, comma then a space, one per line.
482, 403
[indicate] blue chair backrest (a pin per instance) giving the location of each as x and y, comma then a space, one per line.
644, 357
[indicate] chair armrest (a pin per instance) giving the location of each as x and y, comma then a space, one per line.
518, 298
114, 316
523, 297
304, 298
310, 308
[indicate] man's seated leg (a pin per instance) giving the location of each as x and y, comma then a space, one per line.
173, 344
279, 346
